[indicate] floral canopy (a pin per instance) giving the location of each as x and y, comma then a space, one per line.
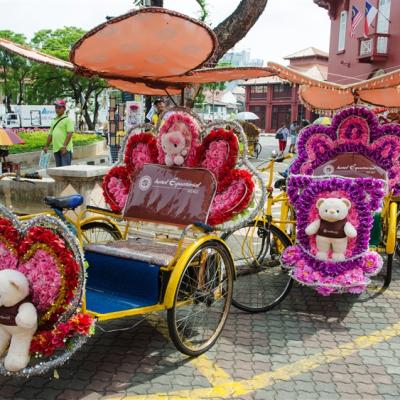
155, 51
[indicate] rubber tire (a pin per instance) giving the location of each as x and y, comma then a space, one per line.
286, 242
171, 313
102, 225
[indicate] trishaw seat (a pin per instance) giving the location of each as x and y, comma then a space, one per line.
141, 249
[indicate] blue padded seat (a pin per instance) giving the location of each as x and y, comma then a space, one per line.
119, 284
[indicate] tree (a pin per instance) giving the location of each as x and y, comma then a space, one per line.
14, 70
230, 31
50, 83
236, 26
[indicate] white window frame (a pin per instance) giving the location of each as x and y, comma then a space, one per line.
382, 25
342, 31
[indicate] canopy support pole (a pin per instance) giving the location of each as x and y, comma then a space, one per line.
171, 98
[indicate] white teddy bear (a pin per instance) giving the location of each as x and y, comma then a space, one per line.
18, 319
174, 146
332, 229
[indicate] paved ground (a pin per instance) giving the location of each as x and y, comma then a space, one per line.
311, 347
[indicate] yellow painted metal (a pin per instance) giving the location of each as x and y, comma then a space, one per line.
392, 229
29, 216
127, 313
180, 266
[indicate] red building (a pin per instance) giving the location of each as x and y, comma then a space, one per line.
358, 58
275, 101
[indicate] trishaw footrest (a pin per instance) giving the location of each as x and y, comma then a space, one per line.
104, 302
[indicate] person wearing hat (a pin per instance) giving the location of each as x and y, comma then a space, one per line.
61, 130
160, 107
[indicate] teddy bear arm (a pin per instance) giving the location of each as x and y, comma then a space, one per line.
27, 316
179, 160
312, 228
349, 230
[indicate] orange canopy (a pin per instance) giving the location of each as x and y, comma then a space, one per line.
144, 44
141, 88
151, 50
209, 75
34, 55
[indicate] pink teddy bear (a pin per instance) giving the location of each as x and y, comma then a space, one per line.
174, 146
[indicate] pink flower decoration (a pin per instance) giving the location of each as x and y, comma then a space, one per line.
44, 278
117, 189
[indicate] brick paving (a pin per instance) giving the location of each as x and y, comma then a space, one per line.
143, 361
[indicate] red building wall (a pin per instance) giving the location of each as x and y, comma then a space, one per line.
275, 106
344, 67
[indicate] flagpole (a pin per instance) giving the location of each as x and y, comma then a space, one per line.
384, 16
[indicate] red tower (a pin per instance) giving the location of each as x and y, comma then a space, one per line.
359, 57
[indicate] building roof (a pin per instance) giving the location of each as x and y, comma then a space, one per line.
270, 80
315, 71
308, 52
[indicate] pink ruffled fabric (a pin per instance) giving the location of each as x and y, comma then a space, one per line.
44, 278
215, 156
118, 190
141, 155
229, 198
351, 217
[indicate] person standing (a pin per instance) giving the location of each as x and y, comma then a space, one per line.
61, 131
294, 131
282, 134
160, 107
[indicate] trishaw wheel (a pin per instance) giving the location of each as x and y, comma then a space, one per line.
202, 299
99, 232
261, 281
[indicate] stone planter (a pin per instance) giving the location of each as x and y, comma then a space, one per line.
31, 159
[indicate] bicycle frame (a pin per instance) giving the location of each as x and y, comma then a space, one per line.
75, 223
283, 222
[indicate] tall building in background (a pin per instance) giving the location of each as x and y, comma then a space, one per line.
241, 59
365, 38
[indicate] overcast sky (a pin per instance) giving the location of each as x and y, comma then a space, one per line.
285, 27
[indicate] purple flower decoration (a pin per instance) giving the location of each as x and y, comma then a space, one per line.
353, 130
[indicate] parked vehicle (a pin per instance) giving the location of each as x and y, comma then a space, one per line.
29, 116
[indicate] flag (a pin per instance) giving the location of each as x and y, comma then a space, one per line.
356, 17
370, 14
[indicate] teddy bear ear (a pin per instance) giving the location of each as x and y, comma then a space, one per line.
347, 203
319, 202
16, 284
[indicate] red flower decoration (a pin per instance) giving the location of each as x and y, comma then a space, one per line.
120, 178
140, 149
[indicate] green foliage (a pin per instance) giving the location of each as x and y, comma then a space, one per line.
35, 83
220, 86
13, 69
35, 141
204, 11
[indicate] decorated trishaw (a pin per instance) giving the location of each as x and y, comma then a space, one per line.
183, 181
189, 183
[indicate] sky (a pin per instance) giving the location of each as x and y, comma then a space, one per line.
286, 26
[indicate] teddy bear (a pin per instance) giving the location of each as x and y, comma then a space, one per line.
173, 144
332, 228
18, 319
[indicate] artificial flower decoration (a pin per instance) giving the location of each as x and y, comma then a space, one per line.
217, 152
334, 208
353, 130
46, 253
